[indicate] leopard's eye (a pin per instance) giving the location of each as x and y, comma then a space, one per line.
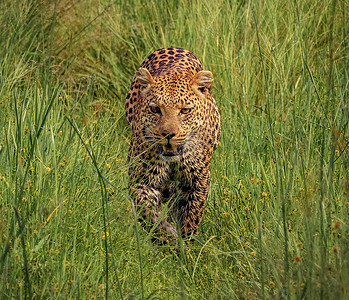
185, 110
155, 109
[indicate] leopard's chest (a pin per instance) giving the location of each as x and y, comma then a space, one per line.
175, 182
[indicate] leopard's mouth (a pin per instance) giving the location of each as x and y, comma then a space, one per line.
170, 151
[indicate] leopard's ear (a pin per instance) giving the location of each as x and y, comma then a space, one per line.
144, 78
201, 82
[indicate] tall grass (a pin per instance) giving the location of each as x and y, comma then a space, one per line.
276, 221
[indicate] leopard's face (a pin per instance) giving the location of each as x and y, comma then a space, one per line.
172, 113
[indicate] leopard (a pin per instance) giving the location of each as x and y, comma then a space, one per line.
176, 127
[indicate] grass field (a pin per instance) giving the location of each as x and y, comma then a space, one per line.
276, 224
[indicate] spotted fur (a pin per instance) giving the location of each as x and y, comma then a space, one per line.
175, 129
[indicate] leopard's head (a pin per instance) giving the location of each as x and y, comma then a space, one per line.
173, 110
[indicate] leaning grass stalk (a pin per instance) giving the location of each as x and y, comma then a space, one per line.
19, 195
272, 136
199, 255
28, 289
325, 120
82, 30
104, 202
104, 196
323, 243
322, 183
138, 247
310, 229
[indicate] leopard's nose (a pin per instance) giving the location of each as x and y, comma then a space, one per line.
168, 135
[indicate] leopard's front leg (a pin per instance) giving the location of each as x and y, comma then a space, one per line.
147, 201
192, 203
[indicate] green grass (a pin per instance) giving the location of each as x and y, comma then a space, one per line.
276, 221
